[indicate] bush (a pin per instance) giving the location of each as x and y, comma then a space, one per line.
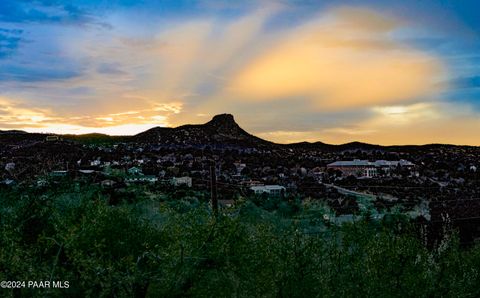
156, 247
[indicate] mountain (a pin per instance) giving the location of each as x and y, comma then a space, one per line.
12, 132
15, 137
222, 130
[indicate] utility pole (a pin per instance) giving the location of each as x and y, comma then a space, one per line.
213, 187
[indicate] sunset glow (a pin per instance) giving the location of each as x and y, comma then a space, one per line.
289, 71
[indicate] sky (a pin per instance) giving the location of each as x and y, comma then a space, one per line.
377, 71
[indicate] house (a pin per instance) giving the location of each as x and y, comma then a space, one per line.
10, 166
388, 165
87, 172
52, 138
8, 182
62, 173
239, 167
135, 171
42, 182
107, 183
177, 181
141, 178
226, 203
95, 163
272, 190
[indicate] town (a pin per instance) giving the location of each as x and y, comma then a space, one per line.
431, 183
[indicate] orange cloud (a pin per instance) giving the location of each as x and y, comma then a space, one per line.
345, 65
15, 115
346, 58
420, 123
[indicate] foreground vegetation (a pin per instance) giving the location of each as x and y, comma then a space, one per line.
154, 243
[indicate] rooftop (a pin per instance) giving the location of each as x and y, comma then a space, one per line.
267, 187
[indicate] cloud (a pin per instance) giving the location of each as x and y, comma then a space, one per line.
10, 40
117, 130
15, 114
110, 69
345, 58
174, 107
27, 73
335, 75
419, 123
13, 11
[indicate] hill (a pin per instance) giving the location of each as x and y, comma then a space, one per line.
221, 131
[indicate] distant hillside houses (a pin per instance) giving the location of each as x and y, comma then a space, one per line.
368, 169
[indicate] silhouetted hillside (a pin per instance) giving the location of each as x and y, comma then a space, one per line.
222, 130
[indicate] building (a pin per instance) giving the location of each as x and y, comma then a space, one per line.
239, 167
226, 203
10, 166
370, 172
87, 172
107, 183
135, 171
135, 175
61, 173
272, 190
95, 163
7, 182
356, 167
177, 181
141, 178
52, 138
368, 169
388, 165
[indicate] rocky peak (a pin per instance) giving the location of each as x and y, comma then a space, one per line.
223, 121
223, 118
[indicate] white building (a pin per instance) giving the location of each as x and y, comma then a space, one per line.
239, 167
95, 163
391, 164
273, 190
135, 171
141, 178
86, 171
369, 172
177, 181
10, 166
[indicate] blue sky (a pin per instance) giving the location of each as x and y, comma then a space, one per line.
289, 70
